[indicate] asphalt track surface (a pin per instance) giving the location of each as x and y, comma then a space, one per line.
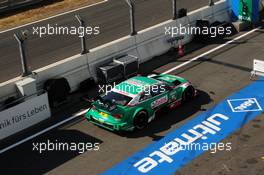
216, 75
112, 17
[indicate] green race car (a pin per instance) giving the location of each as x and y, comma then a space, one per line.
132, 104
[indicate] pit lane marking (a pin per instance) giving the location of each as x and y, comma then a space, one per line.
210, 51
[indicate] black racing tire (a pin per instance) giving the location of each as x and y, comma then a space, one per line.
188, 94
141, 120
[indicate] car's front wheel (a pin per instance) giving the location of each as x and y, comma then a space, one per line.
141, 120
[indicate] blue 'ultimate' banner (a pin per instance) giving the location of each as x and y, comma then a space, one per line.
167, 155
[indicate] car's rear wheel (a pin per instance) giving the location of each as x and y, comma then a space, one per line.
141, 120
188, 94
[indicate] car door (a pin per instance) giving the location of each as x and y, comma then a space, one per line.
176, 91
159, 97
144, 102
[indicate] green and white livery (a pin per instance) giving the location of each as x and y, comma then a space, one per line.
132, 104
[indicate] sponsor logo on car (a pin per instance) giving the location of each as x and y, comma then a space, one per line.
159, 102
135, 82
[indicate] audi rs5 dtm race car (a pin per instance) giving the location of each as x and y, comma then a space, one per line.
132, 104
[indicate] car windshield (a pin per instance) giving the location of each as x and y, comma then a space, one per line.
117, 98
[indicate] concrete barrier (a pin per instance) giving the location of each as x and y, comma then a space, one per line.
8, 89
145, 45
74, 69
153, 41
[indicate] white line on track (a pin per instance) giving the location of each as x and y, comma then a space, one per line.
168, 71
211, 51
64, 13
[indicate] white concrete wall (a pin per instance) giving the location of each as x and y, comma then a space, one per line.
146, 44
74, 69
